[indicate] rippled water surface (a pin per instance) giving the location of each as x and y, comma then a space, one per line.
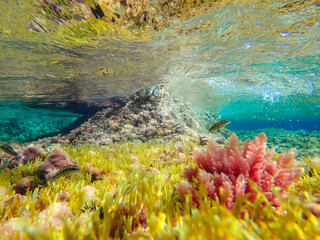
257, 64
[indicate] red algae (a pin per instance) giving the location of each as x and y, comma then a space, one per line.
225, 172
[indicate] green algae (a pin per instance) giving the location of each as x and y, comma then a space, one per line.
139, 182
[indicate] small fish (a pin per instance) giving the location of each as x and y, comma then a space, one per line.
4, 163
93, 207
48, 148
218, 125
128, 126
89, 207
9, 150
67, 171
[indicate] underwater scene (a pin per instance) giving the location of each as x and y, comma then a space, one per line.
159, 119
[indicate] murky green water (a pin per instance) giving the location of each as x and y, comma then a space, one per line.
256, 64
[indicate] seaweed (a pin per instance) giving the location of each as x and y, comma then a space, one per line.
138, 198
226, 172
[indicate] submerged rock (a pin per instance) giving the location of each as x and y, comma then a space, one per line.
54, 216
57, 163
30, 153
23, 185
150, 113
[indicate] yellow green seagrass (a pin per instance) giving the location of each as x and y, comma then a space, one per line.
140, 178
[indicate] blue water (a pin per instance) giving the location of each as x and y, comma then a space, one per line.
297, 124
285, 113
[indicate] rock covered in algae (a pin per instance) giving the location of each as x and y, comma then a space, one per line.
30, 153
57, 161
23, 185
95, 172
90, 193
24, 155
145, 115
55, 215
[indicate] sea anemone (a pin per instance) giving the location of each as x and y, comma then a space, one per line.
225, 172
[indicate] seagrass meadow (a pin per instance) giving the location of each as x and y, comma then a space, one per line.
128, 190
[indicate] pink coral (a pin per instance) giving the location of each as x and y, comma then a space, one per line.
224, 172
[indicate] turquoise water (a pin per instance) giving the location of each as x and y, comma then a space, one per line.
256, 64
20, 122
287, 114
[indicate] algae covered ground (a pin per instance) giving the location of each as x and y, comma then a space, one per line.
128, 191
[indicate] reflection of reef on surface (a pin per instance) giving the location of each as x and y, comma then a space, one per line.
126, 14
